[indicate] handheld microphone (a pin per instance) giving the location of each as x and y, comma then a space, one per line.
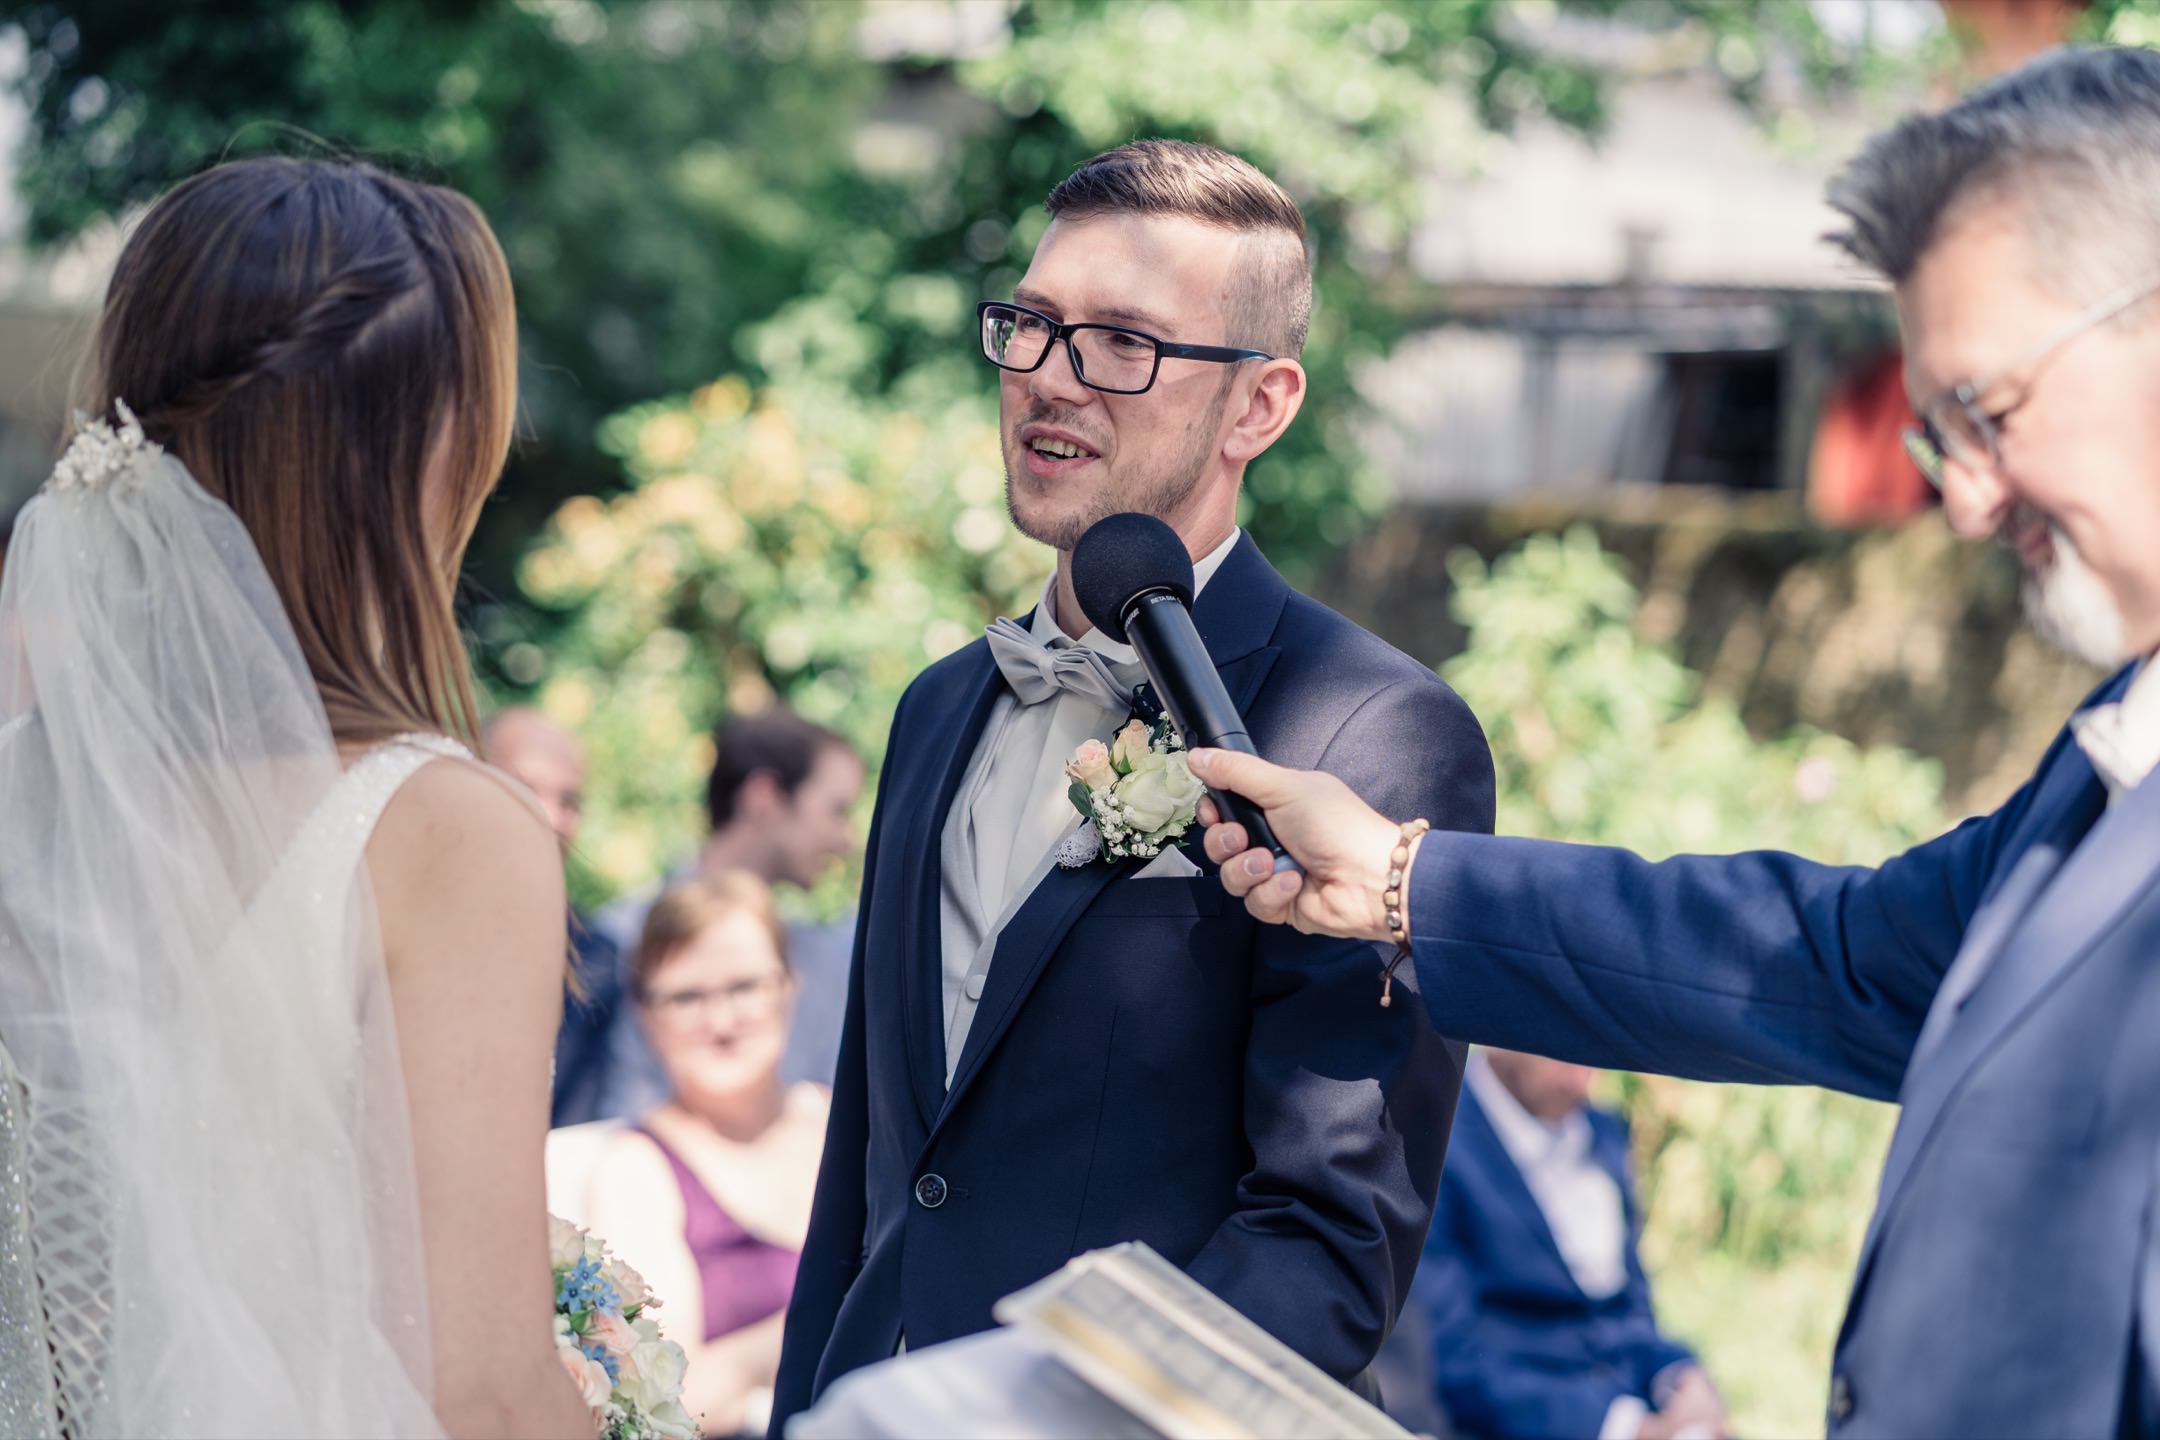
1135, 582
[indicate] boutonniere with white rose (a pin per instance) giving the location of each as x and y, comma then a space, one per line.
1135, 793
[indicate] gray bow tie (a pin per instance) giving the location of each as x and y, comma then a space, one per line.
1037, 671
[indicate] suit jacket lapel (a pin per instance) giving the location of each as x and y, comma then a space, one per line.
1235, 616
974, 695
1470, 1112
2039, 927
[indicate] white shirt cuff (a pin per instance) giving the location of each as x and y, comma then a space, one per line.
1623, 1419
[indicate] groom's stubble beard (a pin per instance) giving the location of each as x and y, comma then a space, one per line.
1160, 489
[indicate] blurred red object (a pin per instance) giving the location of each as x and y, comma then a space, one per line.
1858, 472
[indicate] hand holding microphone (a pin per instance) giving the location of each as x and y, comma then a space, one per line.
1135, 582
1341, 844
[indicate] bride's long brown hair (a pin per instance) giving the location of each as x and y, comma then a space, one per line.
331, 351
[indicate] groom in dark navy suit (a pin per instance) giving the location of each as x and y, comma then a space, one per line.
1038, 1060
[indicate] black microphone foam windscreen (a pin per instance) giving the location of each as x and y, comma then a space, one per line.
1122, 556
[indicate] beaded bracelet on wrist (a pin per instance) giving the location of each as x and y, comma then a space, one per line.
1398, 884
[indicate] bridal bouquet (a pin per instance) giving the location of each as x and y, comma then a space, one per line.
630, 1377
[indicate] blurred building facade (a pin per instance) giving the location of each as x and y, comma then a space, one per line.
1655, 307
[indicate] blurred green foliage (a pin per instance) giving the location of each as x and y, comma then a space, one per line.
798, 540
805, 188
1756, 1198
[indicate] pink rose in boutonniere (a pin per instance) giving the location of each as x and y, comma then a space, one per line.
1136, 794
1132, 742
1091, 766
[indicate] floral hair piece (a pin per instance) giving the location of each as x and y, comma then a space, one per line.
100, 454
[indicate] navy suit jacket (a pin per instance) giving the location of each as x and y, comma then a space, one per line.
581, 1045
1518, 1348
1147, 1063
2001, 982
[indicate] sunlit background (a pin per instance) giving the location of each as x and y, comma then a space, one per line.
1598, 426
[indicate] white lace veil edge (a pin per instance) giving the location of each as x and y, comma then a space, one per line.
226, 1235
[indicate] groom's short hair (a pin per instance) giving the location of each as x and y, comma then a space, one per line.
1272, 307
774, 741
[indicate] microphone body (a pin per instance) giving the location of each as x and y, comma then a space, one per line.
1160, 628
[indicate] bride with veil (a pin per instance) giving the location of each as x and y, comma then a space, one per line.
280, 964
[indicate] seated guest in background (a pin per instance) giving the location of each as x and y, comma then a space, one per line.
709, 1195
781, 803
1531, 1285
550, 762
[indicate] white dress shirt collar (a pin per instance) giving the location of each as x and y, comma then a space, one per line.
2122, 740
1045, 627
1529, 1141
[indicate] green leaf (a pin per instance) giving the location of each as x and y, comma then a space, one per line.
1078, 794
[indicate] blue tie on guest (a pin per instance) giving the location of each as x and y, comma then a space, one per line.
1535, 1298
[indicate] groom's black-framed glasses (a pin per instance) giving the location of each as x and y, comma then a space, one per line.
1109, 358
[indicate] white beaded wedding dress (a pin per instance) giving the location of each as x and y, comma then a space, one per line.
208, 1222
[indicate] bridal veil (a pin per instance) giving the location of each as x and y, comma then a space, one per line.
217, 1182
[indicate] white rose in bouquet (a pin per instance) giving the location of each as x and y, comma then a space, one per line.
651, 1375
566, 1243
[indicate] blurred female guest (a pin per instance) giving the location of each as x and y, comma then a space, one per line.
709, 1195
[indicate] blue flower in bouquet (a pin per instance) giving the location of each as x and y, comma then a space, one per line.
583, 1289
630, 1375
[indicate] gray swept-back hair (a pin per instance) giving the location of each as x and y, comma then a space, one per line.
2072, 140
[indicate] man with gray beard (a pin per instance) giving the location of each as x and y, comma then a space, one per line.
2002, 983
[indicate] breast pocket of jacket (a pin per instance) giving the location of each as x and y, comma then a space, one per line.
1191, 896
1159, 945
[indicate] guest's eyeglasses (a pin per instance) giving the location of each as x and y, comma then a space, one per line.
1109, 358
752, 999
1955, 426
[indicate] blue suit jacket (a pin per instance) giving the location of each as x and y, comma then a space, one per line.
2002, 982
581, 1045
1147, 1063
1518, 1348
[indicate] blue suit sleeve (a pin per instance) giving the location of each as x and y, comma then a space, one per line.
1758, 967
1347, 1105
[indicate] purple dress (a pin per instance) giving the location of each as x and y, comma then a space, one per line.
745, 1279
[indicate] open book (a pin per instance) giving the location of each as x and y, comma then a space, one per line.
1118, 1342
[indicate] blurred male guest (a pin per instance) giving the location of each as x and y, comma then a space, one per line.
1042, 1060
780, 804
2000, 982
549, 761
1538, 1306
